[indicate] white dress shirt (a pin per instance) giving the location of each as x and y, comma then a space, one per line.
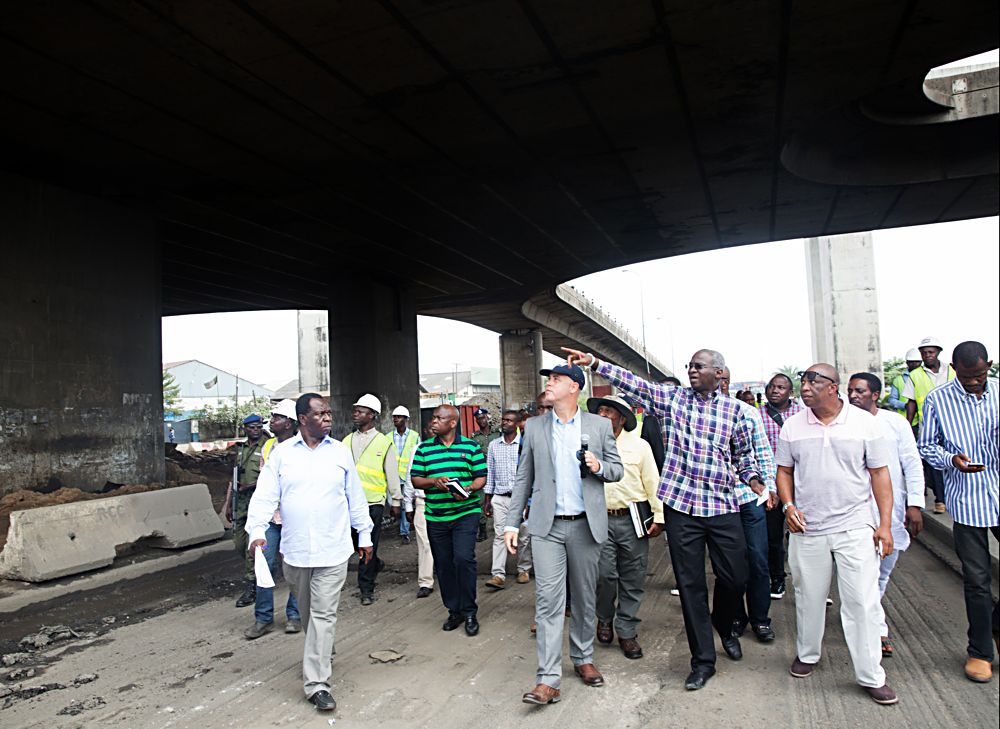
321, 499
905, 470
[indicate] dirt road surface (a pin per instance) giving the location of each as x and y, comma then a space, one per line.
167, 650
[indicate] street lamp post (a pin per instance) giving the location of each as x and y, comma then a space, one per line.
642, 315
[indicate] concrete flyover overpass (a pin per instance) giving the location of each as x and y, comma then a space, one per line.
386, 158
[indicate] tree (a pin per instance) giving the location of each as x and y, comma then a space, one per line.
893, 368
792, 373
171, 395
993, 369
227, 417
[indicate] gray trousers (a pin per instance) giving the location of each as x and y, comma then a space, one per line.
568, 547
622, 576
318, 593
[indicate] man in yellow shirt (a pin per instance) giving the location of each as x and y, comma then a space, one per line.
624, 556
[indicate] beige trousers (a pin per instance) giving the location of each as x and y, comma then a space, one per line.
425, 560
318, 593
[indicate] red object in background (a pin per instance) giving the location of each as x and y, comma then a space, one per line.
602, 390
466, 420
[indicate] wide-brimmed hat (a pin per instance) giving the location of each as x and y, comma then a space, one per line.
614, 401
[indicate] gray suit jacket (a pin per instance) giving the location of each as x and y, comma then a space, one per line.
536, 475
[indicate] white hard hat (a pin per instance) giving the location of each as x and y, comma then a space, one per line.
913, 355
370, 401
285, 407
930, 342
400, 410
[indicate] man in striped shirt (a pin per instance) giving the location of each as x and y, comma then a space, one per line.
501, 465
959, 437
439, 464
708, 450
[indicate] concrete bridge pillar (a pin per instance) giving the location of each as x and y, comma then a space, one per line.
373, 348
843, 304
80, 384
520, 360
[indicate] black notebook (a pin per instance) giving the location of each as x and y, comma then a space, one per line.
642, 517
457, 489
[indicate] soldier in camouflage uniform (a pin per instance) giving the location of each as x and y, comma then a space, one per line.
486, 434
248, 458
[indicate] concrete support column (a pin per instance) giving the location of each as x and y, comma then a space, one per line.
373, 348
520, 360
843, 305
80, 372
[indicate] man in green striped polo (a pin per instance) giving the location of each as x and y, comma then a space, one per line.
452, 519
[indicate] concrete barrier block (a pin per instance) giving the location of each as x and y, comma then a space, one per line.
55, 541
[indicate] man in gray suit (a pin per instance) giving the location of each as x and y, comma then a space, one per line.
568, 522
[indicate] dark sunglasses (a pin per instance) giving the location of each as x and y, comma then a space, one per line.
811, 377
700, 366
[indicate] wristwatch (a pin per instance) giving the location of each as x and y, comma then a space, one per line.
786, 507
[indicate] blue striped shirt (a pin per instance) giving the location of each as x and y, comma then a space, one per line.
762, 452
957, 422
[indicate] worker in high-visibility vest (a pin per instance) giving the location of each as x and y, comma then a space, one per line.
894, 398
375, 459
932, 373
284, 423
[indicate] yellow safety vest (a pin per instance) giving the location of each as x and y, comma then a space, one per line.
371, 466
266, 450
923, 384
403, 459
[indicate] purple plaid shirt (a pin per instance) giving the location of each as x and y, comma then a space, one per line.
772, 428
707, 443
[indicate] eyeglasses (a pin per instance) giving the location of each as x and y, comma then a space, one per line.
810, 377
699, 366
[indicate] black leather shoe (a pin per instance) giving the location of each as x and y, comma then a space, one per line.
731, 645
323, 701
249, 596
739, 627
452, 622
698, 678
764, 633
425, 591
471, 625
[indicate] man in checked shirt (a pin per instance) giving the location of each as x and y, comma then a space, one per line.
708, 445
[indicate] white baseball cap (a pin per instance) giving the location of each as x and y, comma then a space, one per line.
285, 407
930, 342
913, 355
400, 410
370, 401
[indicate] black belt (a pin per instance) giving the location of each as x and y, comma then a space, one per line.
510, 494
617, 512
571, 517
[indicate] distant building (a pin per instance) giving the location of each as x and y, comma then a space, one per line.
459, 385
202, 385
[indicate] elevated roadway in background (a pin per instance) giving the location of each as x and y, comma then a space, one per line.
461, 159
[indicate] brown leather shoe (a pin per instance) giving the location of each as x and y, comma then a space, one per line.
978, 670
542, 694
605, 633
630, 647
589, 673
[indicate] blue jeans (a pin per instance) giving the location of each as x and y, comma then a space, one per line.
758, 590
404, 525
264, 606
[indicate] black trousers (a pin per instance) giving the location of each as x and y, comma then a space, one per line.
367, 571
453, 544
973, 547
688, 536
934, 480
776, 543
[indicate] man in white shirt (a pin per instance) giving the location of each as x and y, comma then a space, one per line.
314, 479
905, 471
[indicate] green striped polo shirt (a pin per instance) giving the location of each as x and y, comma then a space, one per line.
463, 461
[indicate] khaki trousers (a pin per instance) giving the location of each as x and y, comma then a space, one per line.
318, 593
425, 560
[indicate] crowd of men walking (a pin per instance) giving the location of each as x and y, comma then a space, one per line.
578, 494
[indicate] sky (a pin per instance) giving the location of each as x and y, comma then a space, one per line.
748, 303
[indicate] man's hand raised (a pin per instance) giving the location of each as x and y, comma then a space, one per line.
576, 357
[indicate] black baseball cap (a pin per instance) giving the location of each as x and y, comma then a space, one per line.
571, 371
